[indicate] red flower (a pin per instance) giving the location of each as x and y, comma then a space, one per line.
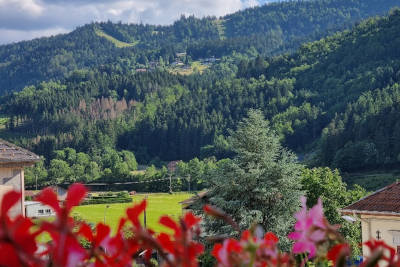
99, 242
171, 224
379, 250
134, 213
182, 250
271, 237
227, 252
65, 249
338, 252
17, 242
132, 241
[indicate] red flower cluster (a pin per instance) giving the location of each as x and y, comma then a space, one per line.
251, 250
17, 241
315, 240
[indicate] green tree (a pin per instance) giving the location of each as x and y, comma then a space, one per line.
82, 159
261, 184
78, 172
36, 174
150, 172
59, 171
120, 169
130, 159
92, 172
70, 155
196, 172
328, 185
59, 154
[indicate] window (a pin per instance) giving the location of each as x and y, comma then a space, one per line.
40, 212
48, 211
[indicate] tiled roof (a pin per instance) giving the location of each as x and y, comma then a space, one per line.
10, 153
384, 201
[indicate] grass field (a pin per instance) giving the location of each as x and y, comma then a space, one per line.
221, 28
158, 204
116, 42
196, 66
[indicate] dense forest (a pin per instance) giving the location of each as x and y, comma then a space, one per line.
334, 101
267, 30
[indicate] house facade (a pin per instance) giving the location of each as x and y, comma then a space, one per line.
13, 160
35, 209
379, 214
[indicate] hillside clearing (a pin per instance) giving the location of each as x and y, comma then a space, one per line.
116, 42
195, 67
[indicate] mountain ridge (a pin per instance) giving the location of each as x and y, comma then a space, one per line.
270, 29
336, 98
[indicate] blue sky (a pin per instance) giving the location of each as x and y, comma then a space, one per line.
28, 19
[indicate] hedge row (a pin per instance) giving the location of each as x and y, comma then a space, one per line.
107, 200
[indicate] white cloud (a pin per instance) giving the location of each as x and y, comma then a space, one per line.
27, 7
24, 19
9, 36
251, 3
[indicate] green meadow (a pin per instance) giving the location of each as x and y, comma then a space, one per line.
116, 42
157, 204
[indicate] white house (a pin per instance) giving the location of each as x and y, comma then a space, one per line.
35, 209
379, 214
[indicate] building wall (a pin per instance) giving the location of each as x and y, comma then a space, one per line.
388, 227
33, 210
13, 178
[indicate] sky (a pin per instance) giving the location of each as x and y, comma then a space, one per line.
28, 19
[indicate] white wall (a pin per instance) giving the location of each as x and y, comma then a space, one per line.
33, 210
388, 227
12, 178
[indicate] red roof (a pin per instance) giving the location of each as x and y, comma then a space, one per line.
385, 201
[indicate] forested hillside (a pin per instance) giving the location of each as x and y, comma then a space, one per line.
350, 82
266, 30
334, 100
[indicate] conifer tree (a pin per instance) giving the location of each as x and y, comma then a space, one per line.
261, 184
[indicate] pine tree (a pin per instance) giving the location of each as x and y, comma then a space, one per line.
261, 184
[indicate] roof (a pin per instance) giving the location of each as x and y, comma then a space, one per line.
29, 203
12, 154
385, 201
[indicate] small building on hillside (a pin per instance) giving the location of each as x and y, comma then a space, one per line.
379, 214
181, 54
35, 209
13, 159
